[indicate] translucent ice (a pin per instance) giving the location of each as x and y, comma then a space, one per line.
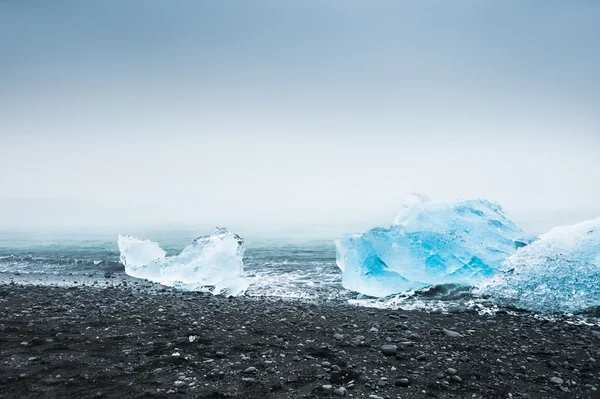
430, 243
213, 260
139, 252
560, 272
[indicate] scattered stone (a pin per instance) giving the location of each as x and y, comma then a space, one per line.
179, 384
389, 350
556, 381
452, 334
402, 382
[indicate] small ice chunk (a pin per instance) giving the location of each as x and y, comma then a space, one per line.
141, 258
136, 252
560, 272
430, 243
214, 260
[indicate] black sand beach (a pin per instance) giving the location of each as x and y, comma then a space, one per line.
128, 342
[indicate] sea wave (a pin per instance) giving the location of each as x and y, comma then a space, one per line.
26, 263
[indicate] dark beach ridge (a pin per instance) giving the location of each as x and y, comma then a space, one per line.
137, 340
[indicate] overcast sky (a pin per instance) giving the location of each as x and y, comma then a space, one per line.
262, 114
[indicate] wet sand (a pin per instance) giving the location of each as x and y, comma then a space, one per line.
129, 341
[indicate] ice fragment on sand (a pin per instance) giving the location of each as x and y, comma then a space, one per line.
560, 272
430, 243
212, 260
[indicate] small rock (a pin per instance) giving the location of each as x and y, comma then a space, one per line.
389, 350
452, 334
250, 370
341, 391
402, 382
179, 384
556, 381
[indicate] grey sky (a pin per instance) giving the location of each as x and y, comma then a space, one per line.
262, 113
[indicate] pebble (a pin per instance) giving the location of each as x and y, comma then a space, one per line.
250, 370
341, 391
402, 382
179, 384
389, 350
452, 334
556, 381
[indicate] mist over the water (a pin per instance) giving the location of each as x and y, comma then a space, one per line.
309, 117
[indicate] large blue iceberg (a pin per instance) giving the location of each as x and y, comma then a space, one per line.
430, 243
214, 260
560, 272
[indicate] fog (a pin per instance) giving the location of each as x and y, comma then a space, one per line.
298, 116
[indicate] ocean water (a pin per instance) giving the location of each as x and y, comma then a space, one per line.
278, 267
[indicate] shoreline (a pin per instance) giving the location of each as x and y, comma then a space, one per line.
124, 341
422, 301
